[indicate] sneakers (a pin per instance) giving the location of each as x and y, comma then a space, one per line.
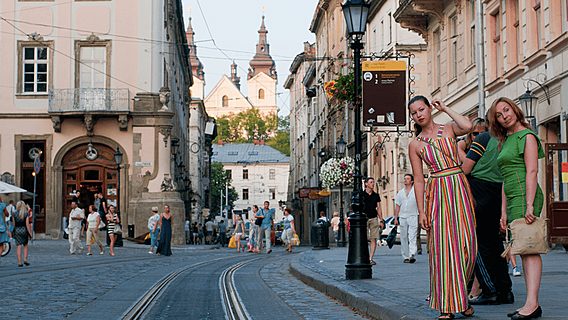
412, 260
516, 272
89, 254
101, 253
150, 252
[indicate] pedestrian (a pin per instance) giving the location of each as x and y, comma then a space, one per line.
11, 210
323, 217
406, 217
514, 268
93, 224
289, 229
209, 229
187, 230
165, 223
447, 212
523, 198
112, 220
76, 217
465, 144
239, 231
222, 232
200, 233
22, 231
486, 183
372, 208
256, 222
267, 214
194, 233
154, 229
335, 225
4, 228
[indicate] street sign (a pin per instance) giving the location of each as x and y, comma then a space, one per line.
384, 93
37, 165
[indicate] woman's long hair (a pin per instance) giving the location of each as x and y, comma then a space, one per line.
497, 129
417, 127
21, 208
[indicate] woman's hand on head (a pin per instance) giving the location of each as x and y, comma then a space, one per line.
439, 105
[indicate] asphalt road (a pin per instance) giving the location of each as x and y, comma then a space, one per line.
58, 285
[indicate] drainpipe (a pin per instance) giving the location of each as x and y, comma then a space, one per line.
480, 59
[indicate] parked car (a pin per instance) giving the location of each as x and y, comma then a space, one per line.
389, 224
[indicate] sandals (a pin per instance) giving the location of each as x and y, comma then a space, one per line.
468, 312
444, 316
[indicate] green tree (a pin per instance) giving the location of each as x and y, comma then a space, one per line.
220, 178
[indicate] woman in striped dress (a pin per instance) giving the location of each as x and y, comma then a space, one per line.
112, 220
449, 214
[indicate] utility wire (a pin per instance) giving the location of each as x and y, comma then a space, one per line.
74, 59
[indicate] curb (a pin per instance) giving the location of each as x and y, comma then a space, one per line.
360, 301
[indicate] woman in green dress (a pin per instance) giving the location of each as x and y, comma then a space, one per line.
522, 197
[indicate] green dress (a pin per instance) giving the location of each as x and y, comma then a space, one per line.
512, 166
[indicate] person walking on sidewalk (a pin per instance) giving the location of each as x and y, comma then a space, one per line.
76, 217
165, 223
406, 217
335, 225
239, 231
289, 229
448, 212
112, 221
267, 215
222, 232
93, 223
372, 208
22, 231
253, 230
485, 180
154, 229
522, 196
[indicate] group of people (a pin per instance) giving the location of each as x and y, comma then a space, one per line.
468, 200
16, 223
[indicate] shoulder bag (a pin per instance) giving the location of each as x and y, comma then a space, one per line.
526, 238
117, 229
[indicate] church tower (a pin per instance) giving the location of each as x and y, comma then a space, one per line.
198, 88
262, 78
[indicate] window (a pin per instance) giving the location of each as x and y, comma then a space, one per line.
245, 174
272, 174
245, 194
35, 68
496, 43
471, 22
390, 27
229, 174
92, 64
260, 94
514, 47
225, 101
272, 192
453, 49
437, 63
538, 21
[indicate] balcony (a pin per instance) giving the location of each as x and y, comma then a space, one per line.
89, 104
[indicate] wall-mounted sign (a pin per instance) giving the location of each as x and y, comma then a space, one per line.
384, 93
141, 164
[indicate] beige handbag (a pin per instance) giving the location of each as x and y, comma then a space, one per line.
527, 238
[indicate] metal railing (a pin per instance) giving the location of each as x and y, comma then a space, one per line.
89, 100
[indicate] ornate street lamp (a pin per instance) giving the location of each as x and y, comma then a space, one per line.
340, 146
529, 101
118, 161
358, 264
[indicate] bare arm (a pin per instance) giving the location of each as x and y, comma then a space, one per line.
461, 124
418, 173
461, 151
467, 165
503, 221
531, 163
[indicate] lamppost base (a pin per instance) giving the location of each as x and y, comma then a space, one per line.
358, 272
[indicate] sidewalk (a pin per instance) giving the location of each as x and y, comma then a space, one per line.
398, 290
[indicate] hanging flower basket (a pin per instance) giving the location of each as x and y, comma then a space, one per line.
340, 89
337, 170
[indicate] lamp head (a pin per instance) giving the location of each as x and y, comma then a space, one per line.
355, 13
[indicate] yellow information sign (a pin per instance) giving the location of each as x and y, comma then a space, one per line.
390, 65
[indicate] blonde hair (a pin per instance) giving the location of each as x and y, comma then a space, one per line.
336, 214
21, 208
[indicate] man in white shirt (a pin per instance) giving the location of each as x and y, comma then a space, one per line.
75, 217
406, 217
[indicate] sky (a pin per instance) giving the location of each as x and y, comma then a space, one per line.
233, 26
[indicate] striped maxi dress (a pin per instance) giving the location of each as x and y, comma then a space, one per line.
452, 241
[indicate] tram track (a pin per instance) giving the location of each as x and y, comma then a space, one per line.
232, 302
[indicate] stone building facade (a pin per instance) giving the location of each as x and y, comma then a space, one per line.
78, 88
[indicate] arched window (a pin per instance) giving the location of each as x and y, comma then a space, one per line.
225, 101
260, 93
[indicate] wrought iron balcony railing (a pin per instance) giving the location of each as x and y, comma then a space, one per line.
89, 100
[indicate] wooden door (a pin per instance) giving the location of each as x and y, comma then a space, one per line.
557, 191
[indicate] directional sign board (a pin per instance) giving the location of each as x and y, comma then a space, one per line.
37, 165
384, 93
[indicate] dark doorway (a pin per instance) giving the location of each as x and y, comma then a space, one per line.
29, 150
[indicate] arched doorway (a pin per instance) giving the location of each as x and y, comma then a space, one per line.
89, 175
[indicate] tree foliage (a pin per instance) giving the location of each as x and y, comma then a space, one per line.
250, 125
220, 178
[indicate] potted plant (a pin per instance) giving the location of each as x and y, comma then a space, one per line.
340, 89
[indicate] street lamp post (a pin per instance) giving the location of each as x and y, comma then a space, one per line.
118, 161
529, 101
358, 264
341, 241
